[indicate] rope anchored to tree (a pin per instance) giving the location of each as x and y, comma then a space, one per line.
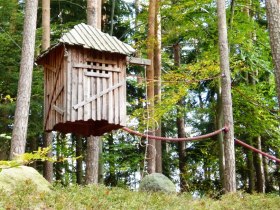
256, 150
159, 138
197, 138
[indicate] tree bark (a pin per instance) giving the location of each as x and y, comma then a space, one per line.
25, 80
33, 147
250, 169
94, 13
112, 17
157, 76
46, 24
180, 121
79, 162
229, 176
150, 88
93, 142
92, 160
219, 124
273, 17
48, 136
258, 162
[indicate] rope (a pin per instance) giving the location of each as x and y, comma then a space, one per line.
159, 138
256, 150
197, 138
178, 81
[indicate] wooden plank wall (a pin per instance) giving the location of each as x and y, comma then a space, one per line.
54, 85
97, 87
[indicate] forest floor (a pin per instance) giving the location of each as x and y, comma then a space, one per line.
100, 197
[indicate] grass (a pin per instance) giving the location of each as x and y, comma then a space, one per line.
100, 197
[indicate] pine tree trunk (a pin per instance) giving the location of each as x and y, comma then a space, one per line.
79, 162
180, 127
33, 147
100, 163
48, 136
250, 169
150, 89
273, 17
46, 24
157, 76
93, 142
229, 176
92, 160
219, 124
25, 80
58, 167
112, 17
94, 13
258, 162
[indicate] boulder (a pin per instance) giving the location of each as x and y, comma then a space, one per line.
11, 178
157, 182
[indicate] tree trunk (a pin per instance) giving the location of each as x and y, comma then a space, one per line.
250, 169
46, 24
273, 17
92, 159
100, 163
79, 162
157, 76
229, 176
150, 89
58, 166
48, 137
93, 142
25, 80
219, 124
94, 13
33, 147
112, 17
180, 121
258, 162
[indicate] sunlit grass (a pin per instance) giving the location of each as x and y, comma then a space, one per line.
100, 197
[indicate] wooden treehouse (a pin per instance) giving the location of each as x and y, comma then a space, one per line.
85, 82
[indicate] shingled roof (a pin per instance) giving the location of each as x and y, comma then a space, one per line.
92, 38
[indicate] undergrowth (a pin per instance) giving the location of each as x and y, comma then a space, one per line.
100, 197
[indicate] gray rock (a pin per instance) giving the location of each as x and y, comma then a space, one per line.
157, 182
10, 178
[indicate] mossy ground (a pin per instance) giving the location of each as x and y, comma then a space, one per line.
100, 197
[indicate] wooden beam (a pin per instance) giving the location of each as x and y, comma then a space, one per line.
93, 74
103, 68
58, 109
98, 95
138, 61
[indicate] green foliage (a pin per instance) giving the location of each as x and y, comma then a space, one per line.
27, 158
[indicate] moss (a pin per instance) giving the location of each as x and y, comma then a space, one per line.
157, 182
